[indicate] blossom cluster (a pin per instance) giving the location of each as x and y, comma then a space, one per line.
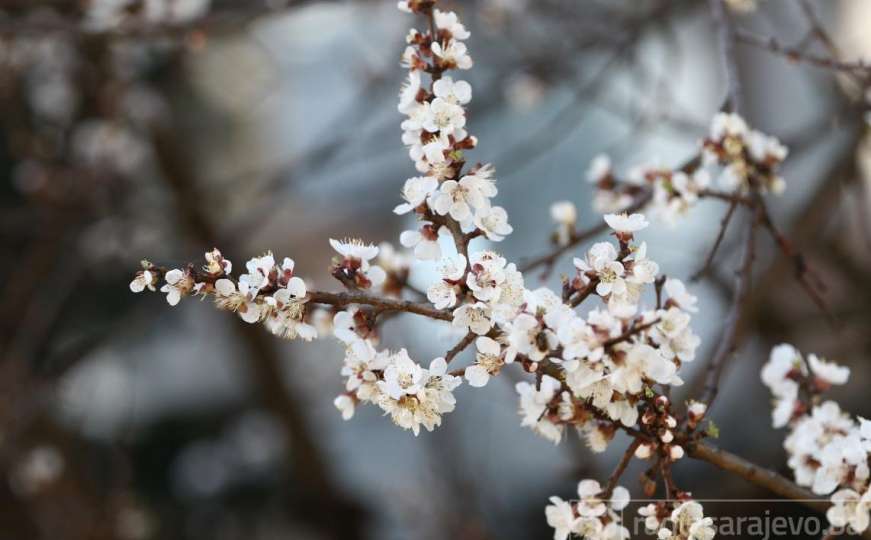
267, 293
445, 199
749, 157
413, 396
604, 365
683, 521
746, 158
827, 448
596, 514
596, 371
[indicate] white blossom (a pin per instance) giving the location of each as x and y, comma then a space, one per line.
453, 53
488, 361
561, 516
458, 199
415, 192
849, 508
493, 221
473, 317
455, 92
828, 371
534, 403
424, 241
448, 20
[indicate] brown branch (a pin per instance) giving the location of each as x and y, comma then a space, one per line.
381, 304
461, 346
860, 67
585, 293
632, 331
724, 225
620, 469
756, 475
729, 339
803, 273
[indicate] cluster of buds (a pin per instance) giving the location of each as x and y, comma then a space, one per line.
596, 513
749, 157
683, 519
658, 421
747, 160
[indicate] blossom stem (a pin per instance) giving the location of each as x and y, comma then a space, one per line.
633, 330
460, 347
621, 468
724, 225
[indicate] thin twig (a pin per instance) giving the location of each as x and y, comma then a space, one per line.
729, 339
724, 224
727, 38
461, 346
380, 303
793, 54
620, 469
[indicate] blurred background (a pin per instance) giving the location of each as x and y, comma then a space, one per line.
165, 128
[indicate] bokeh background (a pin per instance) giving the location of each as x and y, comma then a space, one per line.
251, 125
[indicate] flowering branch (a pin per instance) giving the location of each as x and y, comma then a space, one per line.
604, 355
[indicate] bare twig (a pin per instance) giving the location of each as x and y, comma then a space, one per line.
755, 474
726, 35
724, 224
729, 339
460, 347
793, 54
620, 469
